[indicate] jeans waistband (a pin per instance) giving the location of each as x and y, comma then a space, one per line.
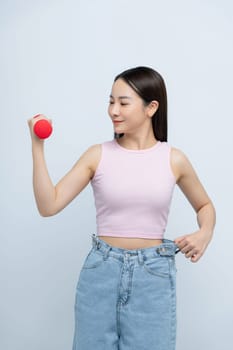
167, 248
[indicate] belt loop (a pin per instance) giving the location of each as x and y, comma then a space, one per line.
167, 251
95, 241
164, 251
161, 250
140, 257
106, 253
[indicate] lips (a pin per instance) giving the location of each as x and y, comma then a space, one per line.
117, 121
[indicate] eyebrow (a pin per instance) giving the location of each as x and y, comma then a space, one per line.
121, 97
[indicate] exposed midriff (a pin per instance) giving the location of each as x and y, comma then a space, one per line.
130, 243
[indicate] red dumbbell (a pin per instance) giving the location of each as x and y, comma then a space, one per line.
42, 128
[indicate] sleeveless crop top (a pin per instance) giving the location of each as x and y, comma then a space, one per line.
133, 190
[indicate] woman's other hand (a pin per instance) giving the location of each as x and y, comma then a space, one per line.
193, 245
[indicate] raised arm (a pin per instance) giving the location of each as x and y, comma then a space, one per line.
52, 199
193, 245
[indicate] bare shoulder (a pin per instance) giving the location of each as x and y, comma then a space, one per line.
178, 155
92, 157
179, 162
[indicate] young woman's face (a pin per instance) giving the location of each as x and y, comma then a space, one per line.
126, 108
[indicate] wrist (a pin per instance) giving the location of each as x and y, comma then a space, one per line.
37, 142
37, 145
207, 232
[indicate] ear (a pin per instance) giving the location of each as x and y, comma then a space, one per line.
152, 108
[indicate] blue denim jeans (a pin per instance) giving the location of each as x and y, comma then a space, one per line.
126, 299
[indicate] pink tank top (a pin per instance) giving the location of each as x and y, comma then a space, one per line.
133, 190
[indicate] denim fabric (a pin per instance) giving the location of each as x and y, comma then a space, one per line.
126, 299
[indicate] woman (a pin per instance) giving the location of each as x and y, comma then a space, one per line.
126, 292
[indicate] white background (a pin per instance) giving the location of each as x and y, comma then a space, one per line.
59, 58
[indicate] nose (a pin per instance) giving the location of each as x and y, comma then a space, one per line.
114, 109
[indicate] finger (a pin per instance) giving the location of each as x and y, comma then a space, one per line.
180, 244
184, 246
186, 249
195, 257
179, 239
38, 116
191, 252
32, 121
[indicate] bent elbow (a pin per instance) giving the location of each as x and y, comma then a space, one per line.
43, 214
46, 213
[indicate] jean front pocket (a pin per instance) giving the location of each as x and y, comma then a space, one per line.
158, 266
93, 259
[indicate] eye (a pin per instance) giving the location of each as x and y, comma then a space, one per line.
122, 104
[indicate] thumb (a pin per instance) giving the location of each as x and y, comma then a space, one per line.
179, 239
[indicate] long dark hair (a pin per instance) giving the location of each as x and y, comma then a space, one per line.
149, 85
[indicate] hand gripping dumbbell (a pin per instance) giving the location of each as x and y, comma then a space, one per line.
42, 128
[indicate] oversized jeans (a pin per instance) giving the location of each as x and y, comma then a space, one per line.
126, 299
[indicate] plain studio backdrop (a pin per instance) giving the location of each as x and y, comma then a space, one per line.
59, 58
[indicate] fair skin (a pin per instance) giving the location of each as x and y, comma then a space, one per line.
138, 134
